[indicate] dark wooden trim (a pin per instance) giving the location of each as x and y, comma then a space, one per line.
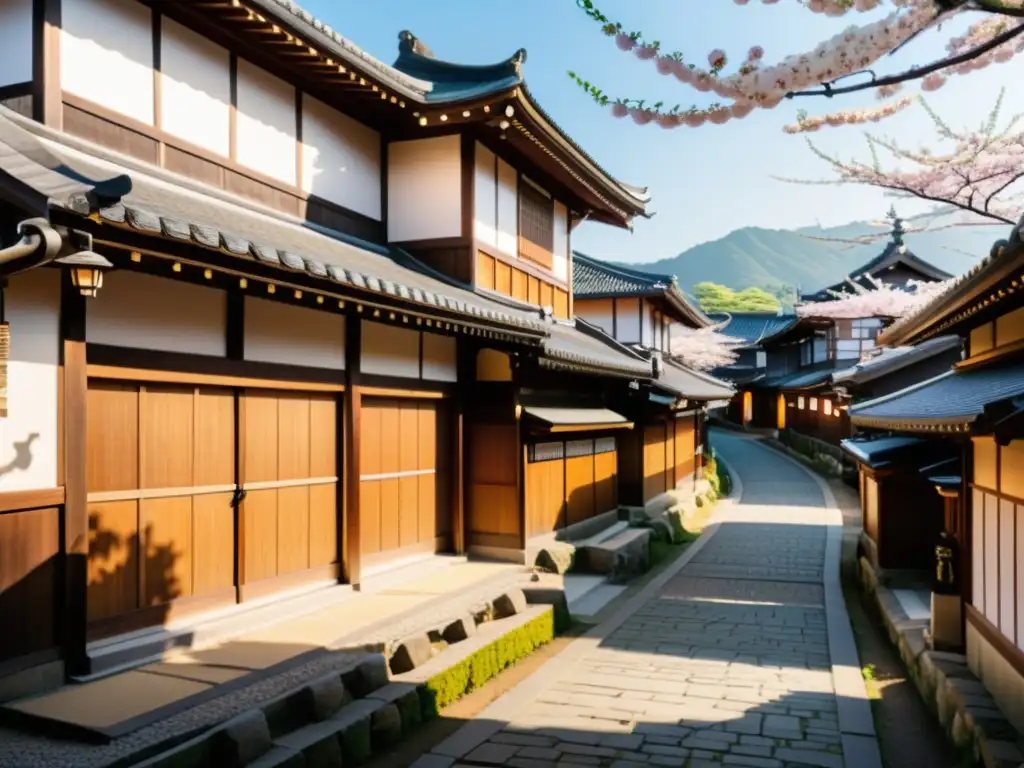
368, 390
19, 501
468, 168
1003, 645
157, 71
183, 363
368, 227
523, 265
117, 373
458, 478
35, 659
384, 188
419, 353
16, 90
351, 535
46, 23
298, 139
235, 326
397, 384
233, 112
156, 615
615, 319
511, 541
435, 243
75, 521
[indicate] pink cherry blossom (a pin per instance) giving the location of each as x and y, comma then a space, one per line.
619, 110
645, 52
641, 116
625, 42
716, 58
665, 65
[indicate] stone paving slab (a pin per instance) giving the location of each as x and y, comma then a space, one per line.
729, 662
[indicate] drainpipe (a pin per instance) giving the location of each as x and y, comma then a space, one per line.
39, 244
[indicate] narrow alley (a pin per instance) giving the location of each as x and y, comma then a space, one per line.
739, 654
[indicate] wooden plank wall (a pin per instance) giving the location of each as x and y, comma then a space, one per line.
568, 482
493, 513
496, 275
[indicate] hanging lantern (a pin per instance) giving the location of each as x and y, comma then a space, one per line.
87, 268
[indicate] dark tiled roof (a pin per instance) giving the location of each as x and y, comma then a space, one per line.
754, 327
739, 375
54, 169
892, 359
574, 416
592, 278
952, 401
456, 82
886, 450
805, 378
692, 384
945, 474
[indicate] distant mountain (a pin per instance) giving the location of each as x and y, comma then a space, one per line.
772, 258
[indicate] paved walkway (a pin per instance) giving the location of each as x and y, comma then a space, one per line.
739, 655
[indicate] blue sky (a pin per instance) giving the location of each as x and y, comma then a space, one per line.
705, 182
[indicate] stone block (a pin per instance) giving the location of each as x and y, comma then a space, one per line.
674, 519
369, 675
386, 727
553, 597
633, 544
482, 611
556, 558
961, 733
353, 724
411, 652
997, 753
326, 696
661, 529
244, 739
280, 757
461, 629
406, 697
510, 603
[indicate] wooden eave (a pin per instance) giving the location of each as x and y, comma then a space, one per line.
167, 257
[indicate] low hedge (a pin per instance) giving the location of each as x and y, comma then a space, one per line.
451, 685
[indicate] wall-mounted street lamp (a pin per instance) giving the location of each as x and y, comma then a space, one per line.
86, 268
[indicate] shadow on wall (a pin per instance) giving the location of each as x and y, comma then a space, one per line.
22, 456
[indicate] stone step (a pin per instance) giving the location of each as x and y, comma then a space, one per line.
627, 553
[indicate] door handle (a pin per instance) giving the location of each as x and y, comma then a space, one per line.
238, 497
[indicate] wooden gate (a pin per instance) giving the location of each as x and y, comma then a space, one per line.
403, 480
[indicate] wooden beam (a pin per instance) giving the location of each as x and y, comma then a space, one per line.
73, 611
351, 535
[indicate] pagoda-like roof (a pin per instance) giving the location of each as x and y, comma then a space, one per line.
596, 279
754, 328
895, 256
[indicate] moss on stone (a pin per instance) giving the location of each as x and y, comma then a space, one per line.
475, 670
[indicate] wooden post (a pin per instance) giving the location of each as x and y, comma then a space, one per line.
350, 529
458, 478
74, 615
47, 107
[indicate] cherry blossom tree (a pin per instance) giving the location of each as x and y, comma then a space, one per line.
703, 348
978, 172
880, 300
834, 67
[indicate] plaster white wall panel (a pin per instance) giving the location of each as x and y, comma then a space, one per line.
106, 55
647, 332
627, 320
560, 259
28, 434
978, 550
1007, 569
390, 350
597, 312
15, 42
147, 312
290, 335
195, 88
485, 197
508, 208
265, 138
424, 189
439, 362
992, 559
340, 159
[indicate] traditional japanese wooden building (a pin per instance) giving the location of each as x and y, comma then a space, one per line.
974, 408
281, 316
649, 313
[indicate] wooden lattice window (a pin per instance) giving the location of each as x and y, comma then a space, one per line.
536, 225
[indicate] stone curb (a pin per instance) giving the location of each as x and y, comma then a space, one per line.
966, 711
497, 715
854, 706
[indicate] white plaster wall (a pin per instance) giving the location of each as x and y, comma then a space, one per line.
647, 337
390, 350
978, 550
439, 358
508, 208
596, 312
28, 434
1007, 569
15, 42
424, 189
485, 198
106, 55
627, 320
195, 88
992, 559
265, 139
291, 335
340, 159
147, 312
560, 260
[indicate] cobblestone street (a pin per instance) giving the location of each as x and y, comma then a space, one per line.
743, 656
